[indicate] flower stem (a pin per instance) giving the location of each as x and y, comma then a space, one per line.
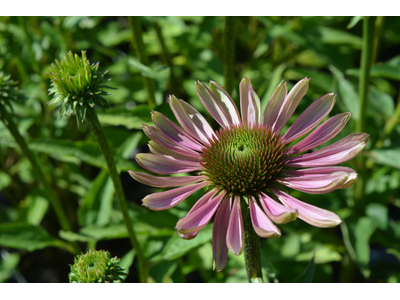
229, 52
136, 29
366, 60
54, 201
105, 149
252, 255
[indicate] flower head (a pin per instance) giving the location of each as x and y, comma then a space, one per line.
247, 161
78, 85
8, 91
96, 267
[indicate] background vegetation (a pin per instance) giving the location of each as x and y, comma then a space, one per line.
177, 52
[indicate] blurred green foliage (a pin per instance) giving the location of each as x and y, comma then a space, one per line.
181, 50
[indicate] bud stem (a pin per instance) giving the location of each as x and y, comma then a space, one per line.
54, 201
252, 256
105, 149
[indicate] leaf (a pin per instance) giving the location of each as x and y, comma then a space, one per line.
378, 213
363, 230
328, 35
8, 263
27, 237
381, 102
354, 21
162, 271
5, 180
159, 73
387, 157
37, 205
126, 262
176, 246
322, 253
348, 98
308, 274
73, 236
291, 246
380, 70
276, 78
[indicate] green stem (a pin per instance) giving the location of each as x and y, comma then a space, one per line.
105, 149
28, 44
136, 29
366, 60
54, 201
252, 255
228, 40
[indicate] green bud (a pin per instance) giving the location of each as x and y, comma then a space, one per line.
77, 85
96, 267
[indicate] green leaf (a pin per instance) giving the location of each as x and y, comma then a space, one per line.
73, 236
328, 35
131, 119
162, 271
159, 73
308, 274
291, 246
5, 180
322, 253
381, 102
126, 262
176, 246
380, 70
37, 205
276, 78
387, 157
354, 21
8, 263
363, 230
27, 237
348, 98
378, 213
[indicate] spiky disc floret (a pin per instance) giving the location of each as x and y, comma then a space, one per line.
96, 267
8, 91
78, 85
243, 160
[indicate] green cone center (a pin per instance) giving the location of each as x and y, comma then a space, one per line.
242, 160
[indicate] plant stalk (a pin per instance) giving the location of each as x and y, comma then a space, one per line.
136, 29
228, 53
105, 149
252, 254
366, 61
54, 201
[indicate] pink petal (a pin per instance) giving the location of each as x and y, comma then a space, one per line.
322, 134
174, 132
249, 103
170, 153
308, 213
337, 153
310, 118
227, 104
314, 184
165, 181
191, 120
235, 233
261, 223
277, 212
290, 104
271, 112
220, 227
200, 217
158, 137
212, 104
161, 165
324, 171
168, 199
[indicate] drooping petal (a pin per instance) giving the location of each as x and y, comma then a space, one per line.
272, 110
220, 227
158, 137
249, 103
261, 223
168, 199
161, 165
174, 132
322, 134
226, 102
324, 171
199, 203
191, 120
337, 153
310, 118
290, 104
212, 104
314, 184
235, 233
169, 153
277, 212
308, 213
165, 181
200, 217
